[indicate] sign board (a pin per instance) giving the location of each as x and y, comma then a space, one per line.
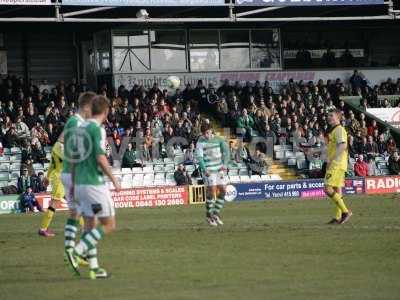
26, 2
144, 3
389, 115
382, 184
306, 2
301, 189
275, 78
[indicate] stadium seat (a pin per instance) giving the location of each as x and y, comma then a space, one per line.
302, 164
137, 170
4, 167
127, 178
169, 168
275, 177
179, 159
159, 168
255, 178
167, 160
291, 161
4, 176
16, 166
126, 171
148, 169
245, 178
6, 151
243, 171
233, 172
15, 150
234, 179
280, 155
265, 177
126, 184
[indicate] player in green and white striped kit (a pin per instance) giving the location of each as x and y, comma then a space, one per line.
91, 190
69, 134
213, 154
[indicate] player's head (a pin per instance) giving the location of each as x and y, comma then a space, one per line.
206, 130
85, 104
100, 108
334, 116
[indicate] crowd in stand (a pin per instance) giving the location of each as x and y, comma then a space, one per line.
32, 117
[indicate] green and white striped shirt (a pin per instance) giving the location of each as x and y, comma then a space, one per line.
212, 154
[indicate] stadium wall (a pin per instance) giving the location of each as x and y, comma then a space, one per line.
180, 195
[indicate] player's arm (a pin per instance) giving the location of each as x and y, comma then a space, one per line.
200, 157
102, 161
101, 158
341, 144
225, 153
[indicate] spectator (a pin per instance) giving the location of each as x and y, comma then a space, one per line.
38, 153
391, 146
29, 202
181, 176
189, 157
38, 183
361, 167
372, 167
258, 163
245, 125
372, 147
24, 181
394, 163
129, 157
109, 156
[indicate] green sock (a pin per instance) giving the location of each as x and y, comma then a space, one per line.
89, 240
219, 204
70, 230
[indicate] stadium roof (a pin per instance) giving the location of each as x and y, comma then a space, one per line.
227, 13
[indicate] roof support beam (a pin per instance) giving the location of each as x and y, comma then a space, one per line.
195, 20
86, 11
256, 11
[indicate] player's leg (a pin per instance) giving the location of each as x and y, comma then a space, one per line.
346, 213
334, 181
211, 196
72, 224
98, 204
219, 204
57, 194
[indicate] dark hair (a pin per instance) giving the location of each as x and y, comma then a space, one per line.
205, 127
99, 105
86, 99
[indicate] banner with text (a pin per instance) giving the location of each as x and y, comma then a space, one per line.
144, 3
275, 78
9, 204
151, 197
25, 2
306, 188
306, 2
389, 115
382, 184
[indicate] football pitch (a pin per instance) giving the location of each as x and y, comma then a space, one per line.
266, 250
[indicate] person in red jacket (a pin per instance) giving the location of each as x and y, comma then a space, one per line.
361, 167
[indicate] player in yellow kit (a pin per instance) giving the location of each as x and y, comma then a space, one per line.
337, 156
57, 192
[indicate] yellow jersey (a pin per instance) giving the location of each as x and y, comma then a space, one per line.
337, 135
56, 164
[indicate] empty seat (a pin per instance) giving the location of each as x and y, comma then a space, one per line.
255, 178
158, 168
265, 177
137, 170
148, 169
233, 172
4, 176
15, 166
275, 177
126, 171
167, 160
234, 178
4, 167
302, 164
169, 168
15, 150
291, 161
243, 172
127, 178
244, 178
126, 184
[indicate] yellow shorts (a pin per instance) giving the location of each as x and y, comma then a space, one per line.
57, 188
334, 177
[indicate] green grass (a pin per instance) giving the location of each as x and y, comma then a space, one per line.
266, 250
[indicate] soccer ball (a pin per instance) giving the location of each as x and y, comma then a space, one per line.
173, 82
